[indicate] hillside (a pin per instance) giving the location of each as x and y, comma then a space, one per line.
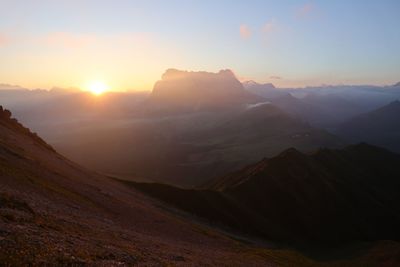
379, 127
53, 212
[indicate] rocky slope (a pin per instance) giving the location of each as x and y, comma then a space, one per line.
53, 212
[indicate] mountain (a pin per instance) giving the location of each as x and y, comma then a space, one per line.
339, 108
320, 110
308, 112
380, 127
266, 90
327, 198
54, 212
397, 84
195, 91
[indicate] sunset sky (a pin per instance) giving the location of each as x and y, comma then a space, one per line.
129, 44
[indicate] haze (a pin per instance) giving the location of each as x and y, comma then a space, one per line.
129, 43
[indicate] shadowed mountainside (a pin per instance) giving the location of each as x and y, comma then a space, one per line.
327, 198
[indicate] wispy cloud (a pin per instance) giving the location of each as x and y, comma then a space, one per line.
245, 32
274, 77
306, 11
269, 28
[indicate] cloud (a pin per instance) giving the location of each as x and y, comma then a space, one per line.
274, 77
305, 11
245, 32
269, 28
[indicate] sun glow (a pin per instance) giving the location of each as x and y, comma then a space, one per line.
97, 87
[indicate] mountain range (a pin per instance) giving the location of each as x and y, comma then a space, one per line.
54, 212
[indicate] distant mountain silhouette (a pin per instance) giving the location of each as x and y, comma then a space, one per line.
397, 84
327, 198
380, 127
196, 91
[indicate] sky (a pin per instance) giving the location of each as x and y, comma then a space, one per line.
129, 44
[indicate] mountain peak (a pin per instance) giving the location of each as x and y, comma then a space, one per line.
171, 74
197, 90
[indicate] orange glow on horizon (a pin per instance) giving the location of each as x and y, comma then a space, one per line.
97, 87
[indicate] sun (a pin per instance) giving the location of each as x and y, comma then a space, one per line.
97, 87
